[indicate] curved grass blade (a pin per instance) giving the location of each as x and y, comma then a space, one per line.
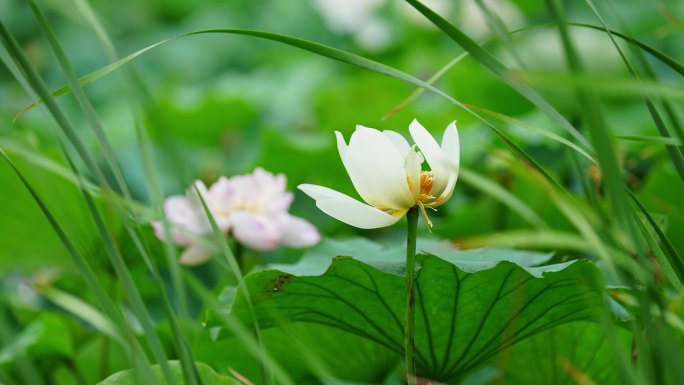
674, 152
542, 239
82, 99
594, 120
661, 56
41, 161
140, 361
674, 260
8, 339
234, 268
624, 212
134, 296
497, 25
674, 263
502, 195
489, 61
332, 53
419, 91
586, 221
650, 139
82, 310
187, 362
600, 85
323, 50
153, 182
521, 123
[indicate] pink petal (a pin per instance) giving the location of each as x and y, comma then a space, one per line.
194, 255
300, 233
257, 231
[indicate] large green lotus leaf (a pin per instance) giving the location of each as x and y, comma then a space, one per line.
462, 319
206, 373
391, 259
565, 355
302, 350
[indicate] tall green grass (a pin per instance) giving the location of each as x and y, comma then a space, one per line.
613, 226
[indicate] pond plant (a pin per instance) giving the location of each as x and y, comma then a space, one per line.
156, 226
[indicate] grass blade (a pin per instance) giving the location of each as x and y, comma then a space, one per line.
489, 61
502, 195
140, 362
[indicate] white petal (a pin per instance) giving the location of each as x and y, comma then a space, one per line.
320, 193
193, 198
399, 141
448, 190
376, 167
343, 149
451, 147
195, 254
221, 195
347, 209
434, 155
412, 164
183, 216
341, 145
178, 210
257, 231
299, 232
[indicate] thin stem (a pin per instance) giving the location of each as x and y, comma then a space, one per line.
239, 254
409, 344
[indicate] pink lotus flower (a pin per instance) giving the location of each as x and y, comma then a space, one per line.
253, 208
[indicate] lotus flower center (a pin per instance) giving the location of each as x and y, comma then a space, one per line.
426, 180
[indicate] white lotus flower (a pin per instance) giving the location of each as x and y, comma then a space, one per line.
387, 173
253, 208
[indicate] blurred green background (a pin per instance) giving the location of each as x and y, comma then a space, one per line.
221, 105
215, 105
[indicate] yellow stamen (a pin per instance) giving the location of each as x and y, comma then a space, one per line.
426, 180
428, 222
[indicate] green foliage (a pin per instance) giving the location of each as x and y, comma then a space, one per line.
462, 318
208, 376
568, 354
570, 121
46, 336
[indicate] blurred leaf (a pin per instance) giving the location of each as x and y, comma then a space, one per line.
206, 373
98, 357
83, 310
462, 318
48, 335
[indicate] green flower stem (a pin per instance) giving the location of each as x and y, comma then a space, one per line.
412, 216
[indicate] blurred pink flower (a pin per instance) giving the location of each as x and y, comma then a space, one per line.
253, 208
257, 206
